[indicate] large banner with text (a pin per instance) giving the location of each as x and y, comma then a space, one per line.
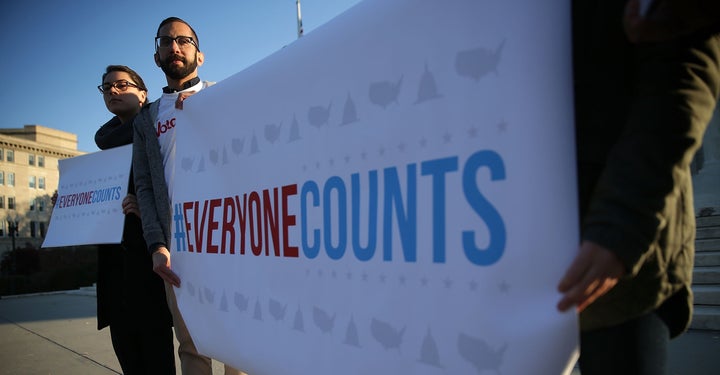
88, 209
393, 193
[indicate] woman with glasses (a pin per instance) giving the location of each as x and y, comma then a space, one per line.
130, 296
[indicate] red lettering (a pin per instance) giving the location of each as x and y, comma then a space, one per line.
242, 220
187, 206
288, 221
271, 222
266, 215
200, 229
212, 226
255, 242
164, 127
228, 227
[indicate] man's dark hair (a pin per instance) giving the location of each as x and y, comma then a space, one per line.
176, 19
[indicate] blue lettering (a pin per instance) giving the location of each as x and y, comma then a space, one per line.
407, 220
310, 187
438, 169
493, 220
337, 184
364, 253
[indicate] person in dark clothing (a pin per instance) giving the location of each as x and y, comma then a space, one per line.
130, 296
646, 85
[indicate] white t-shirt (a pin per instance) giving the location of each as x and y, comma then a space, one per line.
165, 130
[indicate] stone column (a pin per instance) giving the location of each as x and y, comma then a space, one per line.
706, 170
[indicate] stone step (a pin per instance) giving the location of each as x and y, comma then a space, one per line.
707, 259
706, 318
706, 275
712, 244
707, 221
708, 232
84, 291
707, 294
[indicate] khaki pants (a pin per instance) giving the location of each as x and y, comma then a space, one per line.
191, 362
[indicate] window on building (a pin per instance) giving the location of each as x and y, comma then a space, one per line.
42, 229
32, 204
31, 159
1, 154
2, 228
2, 201
41, 182
32, 182
11, 203
2, 178
11, 179
41, 161
10, 156
33, 226
41, 204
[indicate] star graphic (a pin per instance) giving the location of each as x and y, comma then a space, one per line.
502, 126
504, 287
472, 132
473, 285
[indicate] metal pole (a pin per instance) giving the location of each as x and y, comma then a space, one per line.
299, 20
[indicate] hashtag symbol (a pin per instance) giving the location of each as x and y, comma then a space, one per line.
179, 229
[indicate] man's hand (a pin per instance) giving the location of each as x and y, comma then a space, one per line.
161, 266
130, 205
593, 273
181, 98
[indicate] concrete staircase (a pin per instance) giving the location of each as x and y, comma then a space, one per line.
706, 276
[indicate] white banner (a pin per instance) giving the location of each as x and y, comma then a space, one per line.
394, 193
88, 209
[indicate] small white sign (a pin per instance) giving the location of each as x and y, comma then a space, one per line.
88, 209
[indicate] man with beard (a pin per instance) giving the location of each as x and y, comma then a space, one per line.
177, 53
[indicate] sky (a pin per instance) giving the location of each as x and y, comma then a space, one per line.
57, 50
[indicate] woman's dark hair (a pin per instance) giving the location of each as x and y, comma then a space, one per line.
133, 76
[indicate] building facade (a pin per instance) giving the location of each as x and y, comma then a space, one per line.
29, 177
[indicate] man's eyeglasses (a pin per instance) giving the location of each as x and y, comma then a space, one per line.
121, 85
182, 42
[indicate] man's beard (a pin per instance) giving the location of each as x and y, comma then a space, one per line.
175, 71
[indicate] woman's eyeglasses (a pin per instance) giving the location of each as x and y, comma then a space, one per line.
121, 85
